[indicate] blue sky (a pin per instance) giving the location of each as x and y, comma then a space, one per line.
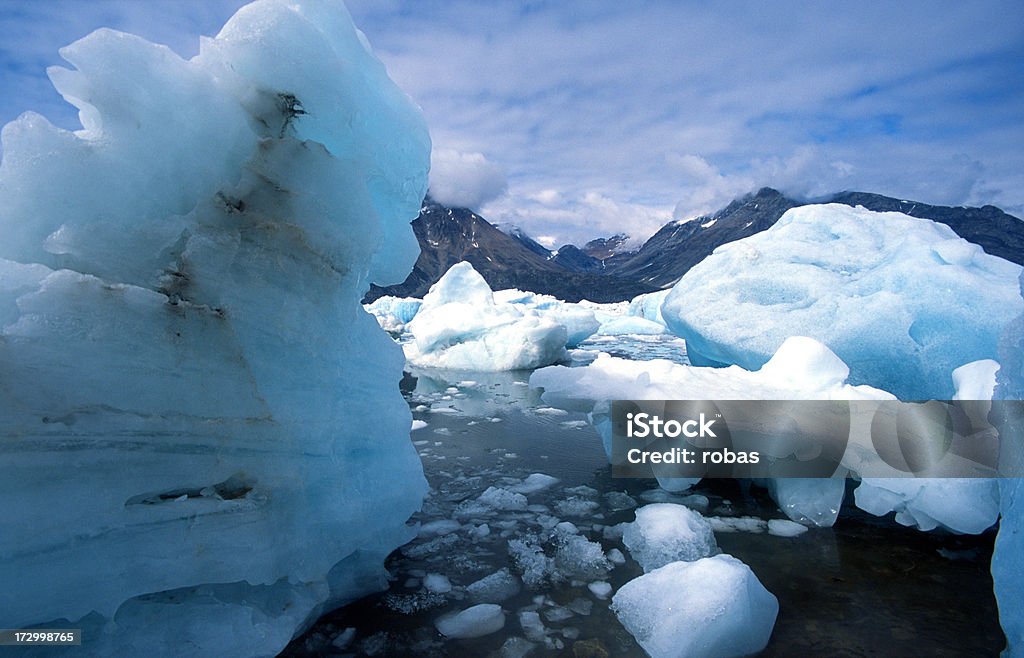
578, 119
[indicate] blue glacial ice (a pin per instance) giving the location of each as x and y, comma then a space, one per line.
902, 301
461, 326
1008, 559
393, 313
631, 325
714, 606
203, 438
648, 306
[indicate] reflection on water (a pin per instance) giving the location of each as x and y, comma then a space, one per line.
866, 587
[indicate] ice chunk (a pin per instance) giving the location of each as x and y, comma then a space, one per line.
712, 607
533, 627
576, 506
495, 588
491, 500
393, 313
578, 557
480, 620
600, 589
665, 532
811, 501
533, 483
615, 556
460, 326
516, 647
975, 380
902, 301
783, 528
630, 325
437, 583
417, 425
181, 337
964, 505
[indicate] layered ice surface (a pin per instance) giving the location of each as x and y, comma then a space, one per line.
715, 606
203, 439
461, 326
902, 301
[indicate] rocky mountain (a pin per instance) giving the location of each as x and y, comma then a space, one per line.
450, 235
604, 248
575, 259
678, 246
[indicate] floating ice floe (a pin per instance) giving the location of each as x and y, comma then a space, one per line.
460, 326
196, 408
715, 606
903, 301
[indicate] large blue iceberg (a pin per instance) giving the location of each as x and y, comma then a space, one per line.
204, 441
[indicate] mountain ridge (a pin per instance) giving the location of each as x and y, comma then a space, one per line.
514, 260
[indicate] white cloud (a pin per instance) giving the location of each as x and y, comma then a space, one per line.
466, 180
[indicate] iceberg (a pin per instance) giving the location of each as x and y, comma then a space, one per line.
1008, 558
197, 411
460, 326
902, 301
579, 322
715, 606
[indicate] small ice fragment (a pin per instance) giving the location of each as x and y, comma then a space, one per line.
533, 483
784, 528
600, 588
477, 621
417, 425
437, 583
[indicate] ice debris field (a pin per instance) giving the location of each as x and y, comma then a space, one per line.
205, 448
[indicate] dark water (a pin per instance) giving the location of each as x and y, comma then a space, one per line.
866, 587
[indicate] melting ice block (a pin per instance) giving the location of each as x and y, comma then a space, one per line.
903, 301
203, 438
666, 532
712, 607
460, 326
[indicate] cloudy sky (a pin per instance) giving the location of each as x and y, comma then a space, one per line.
580, 119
